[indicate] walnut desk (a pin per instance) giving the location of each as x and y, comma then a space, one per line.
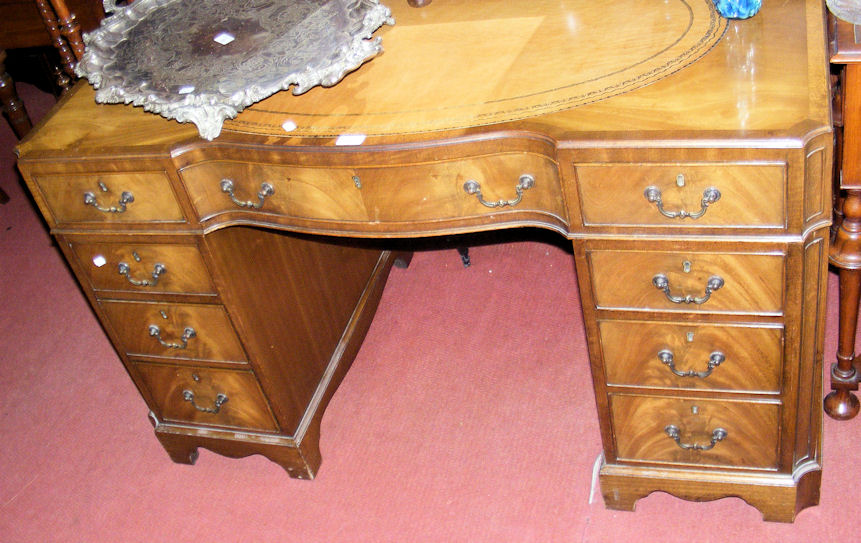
686, 157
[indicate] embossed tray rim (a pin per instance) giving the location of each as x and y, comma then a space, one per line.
208, 110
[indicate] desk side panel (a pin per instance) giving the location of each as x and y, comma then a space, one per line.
291, 298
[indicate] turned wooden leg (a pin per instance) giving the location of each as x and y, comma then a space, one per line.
11, 104
841, 404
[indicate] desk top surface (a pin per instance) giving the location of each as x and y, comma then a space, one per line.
573, 71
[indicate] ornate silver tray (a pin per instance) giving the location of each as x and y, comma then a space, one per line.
848, 10
204, 62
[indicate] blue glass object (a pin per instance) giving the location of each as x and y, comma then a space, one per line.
738, 9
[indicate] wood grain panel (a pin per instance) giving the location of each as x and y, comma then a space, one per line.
292, 299
410, 192
153, 197
640, 422
817, 204
214, 337
245, 406
753, 283
184, 269
523, 59
751, 194
752, 362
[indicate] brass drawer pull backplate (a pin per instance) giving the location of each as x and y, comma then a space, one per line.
126, 198
715, 359
124, 270
220, 399
187, 334
662, 283
710, 196
719, 434
525, 182
265, 190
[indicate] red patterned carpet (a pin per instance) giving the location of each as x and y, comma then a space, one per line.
467, 416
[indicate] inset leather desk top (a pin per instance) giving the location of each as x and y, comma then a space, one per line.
498, 60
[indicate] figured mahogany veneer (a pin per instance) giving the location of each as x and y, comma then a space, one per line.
151, 191
750, 441
750, 194
705, 388
245, 406
750, 362
165, 267
213, 337
409, 192
624, 279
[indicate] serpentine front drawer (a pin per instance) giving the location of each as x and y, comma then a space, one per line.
144, 267
702, 356
188, 331
696, 432
691, 281
207, 396
683, 195
451, 189
109, 197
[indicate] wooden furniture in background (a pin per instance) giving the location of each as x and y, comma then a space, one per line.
17, 30
845, 254
13, 107
65, 32
233, 279
22, 25
40, 23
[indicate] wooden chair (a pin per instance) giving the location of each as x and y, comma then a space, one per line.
64, 34
12, 106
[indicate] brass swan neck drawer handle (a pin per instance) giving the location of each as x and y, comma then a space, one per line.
266, 190
715, 359
662, 283
188, 333
157, 272
525, 182
125, 198
220, 399
719, 434
710, 196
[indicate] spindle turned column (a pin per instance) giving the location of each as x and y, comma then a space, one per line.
845, 252
846, 255
12, 105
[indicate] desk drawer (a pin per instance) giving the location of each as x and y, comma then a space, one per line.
144, 267
643, 426
709, 356
189, 331
412, 192
109, 197
694, 281
215, 397
750, 195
